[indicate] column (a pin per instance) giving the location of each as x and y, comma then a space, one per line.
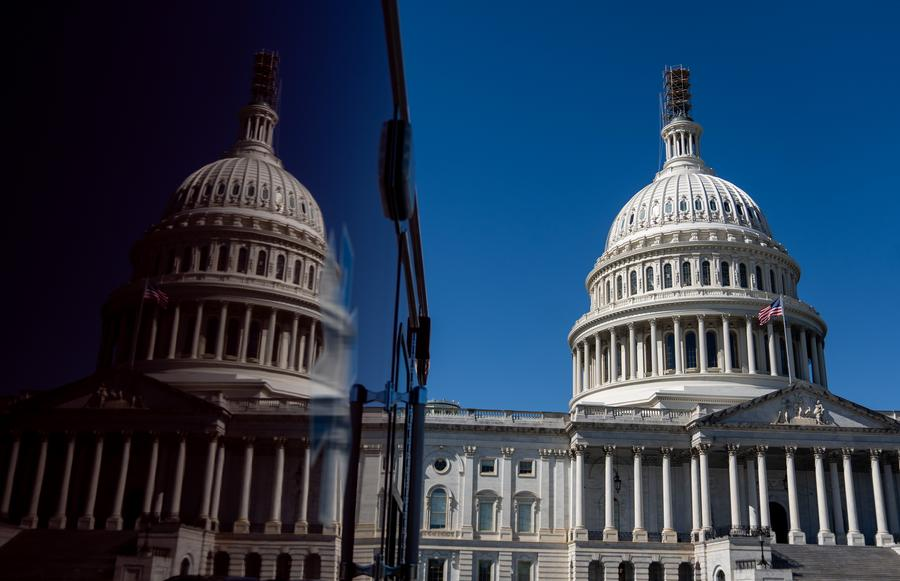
762, 476
86, 522
217, 488
705, 502
114, 522
31, 519
803, 372
273, 525
654, 363
58, 521
695, 495
751, 356
752, 491
292, 354
574, 372
151, 476
154, 325
506, 491
585, 365
891, 492
883, 537
632, 352
678, 345
178, 480
854, 536
825, 536
610, 533
669, 535
311, 344
726, 344
270, 338
796, 536
836, 498
544, 520
773, 361
816, 370
468, 495
598, 356
195, 338
579, 365
578, 450
789, 350
242, 524
613, 357
173, 335
639, 534
208, 475
245, 332
733, 484
10, 475
701, 343
220, 337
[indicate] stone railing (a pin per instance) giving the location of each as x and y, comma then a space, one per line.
480, 415
598, 413
262, 405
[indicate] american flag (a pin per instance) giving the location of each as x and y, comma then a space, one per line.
776, 309
156, 294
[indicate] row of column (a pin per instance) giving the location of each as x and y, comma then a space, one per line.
152, 500
757, 489
596, 362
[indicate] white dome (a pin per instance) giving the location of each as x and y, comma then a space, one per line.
687, 199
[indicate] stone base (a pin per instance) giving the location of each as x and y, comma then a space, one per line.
29, 522
579, 534
86, 523
796, 538
669, 536
57, 522
273, 527
332, 529
610, 535
825, 538
698, 535
884, 540
639, 535
301, 527
241, 527
856, 539
114, 523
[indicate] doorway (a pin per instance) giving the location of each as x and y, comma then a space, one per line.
779, 522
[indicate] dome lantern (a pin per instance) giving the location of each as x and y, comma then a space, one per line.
681, 134
258, 118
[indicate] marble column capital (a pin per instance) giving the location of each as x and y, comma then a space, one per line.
875, 453
761, 449
702, 448
507, 452
469, 451
637, 450
819, 451
846, 452
733, 449
609, 449
666, 451
790, 451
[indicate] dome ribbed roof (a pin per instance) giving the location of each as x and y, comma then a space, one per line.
248, 182
685, 200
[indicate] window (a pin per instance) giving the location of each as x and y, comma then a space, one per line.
253, 341
252, 565
727, 206
735, 354
690, 349
485, 515
670, 352
187, 256
280, 266
435, 571
784, 287
487, 467
712, 349
485, 570
685, 571
740, 210
765, 350
648, 279
185, 566
312, 567
251, 193
668, 207
772, 286
667, 276
683, 205
232, 337
631, 219
221, 562
243, 259
698, 205
204, 259
298, 271
626, 571
524, 511
441, 465
311, 277
759, 279
726, 274
608, 296
742, 275
283, 567
704, 273
685, 273
437, 513
619, 286
220, 192
632, 283
713, 206
523, 571
222, 261
211, 336
262, 267
526, 468
657, 571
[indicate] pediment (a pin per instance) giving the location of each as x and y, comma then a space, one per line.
801, 405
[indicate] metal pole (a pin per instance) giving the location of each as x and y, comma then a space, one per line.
418, 398
358, 396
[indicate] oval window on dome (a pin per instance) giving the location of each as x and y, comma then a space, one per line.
235, 191
698, 204
655, 210
682, 205
207, 192
220, 192
292, 201
251, 193
265, 193
303, 207
643, 213
668, 207
631, 219
740, 210
713, 206
726, 206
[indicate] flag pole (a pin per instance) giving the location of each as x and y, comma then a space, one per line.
137, 327
787, 352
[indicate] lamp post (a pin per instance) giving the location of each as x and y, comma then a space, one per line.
617, 482
763, 564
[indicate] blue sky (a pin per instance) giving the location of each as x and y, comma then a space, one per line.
535, 123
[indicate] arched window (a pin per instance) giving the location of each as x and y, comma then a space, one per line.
311, 277
298, 271
668, 207
735, 354
632, 283
608, 296
704, 273
251, 192
486, 504
760, 284
185, 568
772, 286
670, 352
667, 276
685, 273
726, 274
712, 349
235, 191
283, 567
690, 349
187, 256
220, 192
280, 266
243, 259
683, 205
698, 204
648, 279
221, 562
727, 206
211, 336
626, 571
524, 508
253, 341
312, 567
222, 262
656, 571
437, 509
742, 275
720, 575
713, 206
252, 565
262, 266
204, 258
618, 286
232, 337
685, 571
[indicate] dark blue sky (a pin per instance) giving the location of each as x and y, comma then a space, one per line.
536, 122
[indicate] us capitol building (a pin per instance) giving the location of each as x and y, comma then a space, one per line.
697, 443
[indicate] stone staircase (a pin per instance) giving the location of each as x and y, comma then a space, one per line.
838, 563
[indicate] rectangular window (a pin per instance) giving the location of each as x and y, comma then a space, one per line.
488, 466
523, 571
435, 570
523, 518
526, 468
485, 568
486, 516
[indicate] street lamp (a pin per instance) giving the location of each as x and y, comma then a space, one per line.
617, 482
763, 564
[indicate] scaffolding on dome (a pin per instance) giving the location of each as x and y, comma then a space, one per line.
677, 99
264, 88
